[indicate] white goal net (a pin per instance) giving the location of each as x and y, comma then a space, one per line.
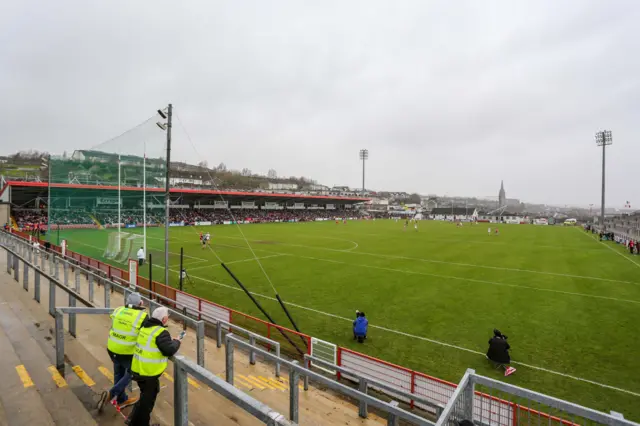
121, 246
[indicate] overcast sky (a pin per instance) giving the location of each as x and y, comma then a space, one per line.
449, 97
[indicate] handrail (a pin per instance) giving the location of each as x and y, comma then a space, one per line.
198, 325
182, 368
252, 341
295, 371
369, 381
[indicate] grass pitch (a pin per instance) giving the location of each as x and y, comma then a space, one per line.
569, 304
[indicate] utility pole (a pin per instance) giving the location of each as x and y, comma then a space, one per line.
166, 114
364, 155
603, 138
167, 196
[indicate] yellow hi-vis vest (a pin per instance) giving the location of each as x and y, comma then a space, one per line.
147, 358
124, 330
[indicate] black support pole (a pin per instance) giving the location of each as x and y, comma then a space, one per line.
253, 299
150, 275
181, 257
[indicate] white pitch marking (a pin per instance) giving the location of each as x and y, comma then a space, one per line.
239, 261
613, 250
469, 265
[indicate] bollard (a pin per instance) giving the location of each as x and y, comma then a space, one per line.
72, 316
252, 354
294, 394
16, 268
362, 409
59, 340
180, 396
107, 294
36, 285
91, 288
200, 342
305, 380
52, 299
65, 271
278, 362
25, 277
392, 420
228, 348
218, 335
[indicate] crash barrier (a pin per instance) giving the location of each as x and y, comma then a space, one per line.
402, 379
296, 371
532, 407
183, 367
364, 383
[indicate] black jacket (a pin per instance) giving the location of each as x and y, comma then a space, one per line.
499, 350
166, 344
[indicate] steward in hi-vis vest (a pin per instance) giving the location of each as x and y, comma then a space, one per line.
150, 358
126, 322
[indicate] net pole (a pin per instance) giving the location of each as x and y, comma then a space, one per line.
144, 198
119, 202
167, 196
49, 204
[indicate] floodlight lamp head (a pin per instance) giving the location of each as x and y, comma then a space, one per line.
364, 154
161, 125
604, 138
162, 114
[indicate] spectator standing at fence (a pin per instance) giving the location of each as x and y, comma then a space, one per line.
123, 336
140, 256
631, 246
152, 352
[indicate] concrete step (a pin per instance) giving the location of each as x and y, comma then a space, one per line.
79, 384
57, 397
20, 399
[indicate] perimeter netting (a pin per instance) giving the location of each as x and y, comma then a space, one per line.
101, 198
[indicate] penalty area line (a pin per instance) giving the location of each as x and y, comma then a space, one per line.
437, 342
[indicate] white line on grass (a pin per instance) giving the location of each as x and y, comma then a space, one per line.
469, 265
437, 342
472, 280
613, 250
238, 261
454, 277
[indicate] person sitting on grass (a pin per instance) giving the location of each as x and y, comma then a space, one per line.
360, 327
498, 352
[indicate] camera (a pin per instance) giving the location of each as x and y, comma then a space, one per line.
498, 333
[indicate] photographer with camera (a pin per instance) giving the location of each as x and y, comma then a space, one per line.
498, 352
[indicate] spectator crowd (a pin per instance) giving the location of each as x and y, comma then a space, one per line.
27, 219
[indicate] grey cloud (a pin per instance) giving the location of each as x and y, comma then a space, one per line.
448, 97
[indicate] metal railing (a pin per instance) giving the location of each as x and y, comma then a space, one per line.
296, 371
365, 382
77, 269
487, 401
253, 337
183, 367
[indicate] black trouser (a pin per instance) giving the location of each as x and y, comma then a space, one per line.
149, 389
140, 262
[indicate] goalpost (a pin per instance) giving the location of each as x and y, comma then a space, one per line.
121, 246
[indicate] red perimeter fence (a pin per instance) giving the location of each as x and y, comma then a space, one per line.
501, 412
